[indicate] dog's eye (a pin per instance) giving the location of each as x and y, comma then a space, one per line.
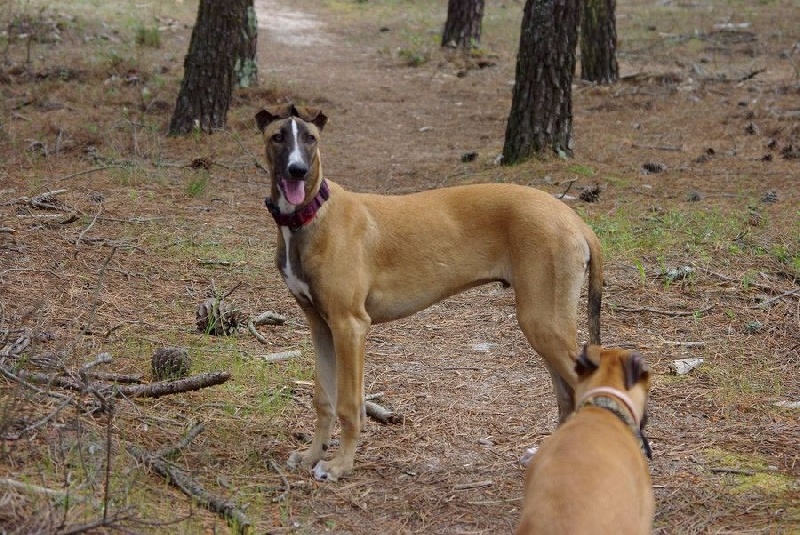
310, 138
277, 138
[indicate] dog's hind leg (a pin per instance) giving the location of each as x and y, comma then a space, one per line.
548, 317
324, 392
349, 338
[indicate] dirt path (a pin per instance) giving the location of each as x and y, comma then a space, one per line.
409, 121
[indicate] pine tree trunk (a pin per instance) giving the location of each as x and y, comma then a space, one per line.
209, 68
463, 26
599, 42
541, 107
246, 67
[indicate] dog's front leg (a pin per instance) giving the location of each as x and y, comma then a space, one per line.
324, 392
349, 338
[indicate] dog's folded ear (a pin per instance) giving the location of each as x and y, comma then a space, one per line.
635, 369
583, 364
264, 117
310, 115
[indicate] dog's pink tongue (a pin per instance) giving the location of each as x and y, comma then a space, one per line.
295, 190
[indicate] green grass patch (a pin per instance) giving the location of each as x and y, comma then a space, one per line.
148, 37
198, 184
749, 473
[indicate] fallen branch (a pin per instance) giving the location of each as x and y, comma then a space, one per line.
667, 148
280, 356
733, 471
283, 495
674, 313
382, 414
764, 304
41, 491
569, 185
92, 170
265, 318
178, 478
116, 377
166, 388
182, 443
152, 390
474, 485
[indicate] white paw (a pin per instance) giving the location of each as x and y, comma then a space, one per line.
321, 472
526, 458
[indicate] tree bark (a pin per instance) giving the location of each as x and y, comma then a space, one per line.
246, 67
541, 107
210, 66
599, 42
463, 26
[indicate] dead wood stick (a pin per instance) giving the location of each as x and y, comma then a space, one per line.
674, 313
683, 344
668, 148
764, 304
718, 275
89, 226
284, 480
28, 384
280, 356
269, 318
152, 390
382, 414
102, 358
569, 185
42, 491
177, 477
474, 485
92, 170
39, 423
166, 388
374, 396
182, 443
116, 377
737, 471
265, 318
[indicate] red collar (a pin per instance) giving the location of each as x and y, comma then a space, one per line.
302, 216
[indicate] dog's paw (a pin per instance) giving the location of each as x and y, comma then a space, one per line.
323, 473
526, 458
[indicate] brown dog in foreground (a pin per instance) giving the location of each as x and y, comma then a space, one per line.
353, 259
591, 475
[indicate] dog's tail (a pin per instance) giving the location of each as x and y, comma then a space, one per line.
595, 285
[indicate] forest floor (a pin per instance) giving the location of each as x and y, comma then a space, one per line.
112, 234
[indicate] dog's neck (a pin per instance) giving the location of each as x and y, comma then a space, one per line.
620, 405
302, 215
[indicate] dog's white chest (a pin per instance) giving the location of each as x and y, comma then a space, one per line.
297, 286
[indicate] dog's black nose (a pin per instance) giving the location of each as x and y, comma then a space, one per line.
297, 170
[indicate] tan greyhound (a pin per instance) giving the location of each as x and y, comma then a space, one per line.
354, 259
591, 475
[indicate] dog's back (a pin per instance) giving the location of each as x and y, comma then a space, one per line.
591, 475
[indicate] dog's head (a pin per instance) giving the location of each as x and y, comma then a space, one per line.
618, 369
291, 134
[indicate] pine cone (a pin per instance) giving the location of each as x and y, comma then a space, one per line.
170, 363
215, 316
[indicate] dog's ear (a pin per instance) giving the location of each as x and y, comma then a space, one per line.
635, 369
310, 115
583, 364
264, 117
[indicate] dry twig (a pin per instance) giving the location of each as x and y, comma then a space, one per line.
382, 414
177, 477
674, 313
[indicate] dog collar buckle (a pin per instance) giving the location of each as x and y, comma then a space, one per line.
304, 215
